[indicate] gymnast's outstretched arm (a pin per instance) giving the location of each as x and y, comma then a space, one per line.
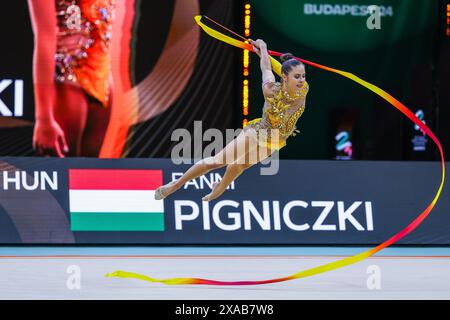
268, 77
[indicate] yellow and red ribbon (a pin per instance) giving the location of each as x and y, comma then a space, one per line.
336, 264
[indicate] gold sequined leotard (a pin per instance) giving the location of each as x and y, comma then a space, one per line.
280, 114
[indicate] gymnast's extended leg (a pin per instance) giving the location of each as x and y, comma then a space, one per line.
254, 155
232, 151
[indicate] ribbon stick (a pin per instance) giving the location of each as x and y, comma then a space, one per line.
339, 263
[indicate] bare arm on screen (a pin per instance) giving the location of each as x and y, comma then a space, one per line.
48, 136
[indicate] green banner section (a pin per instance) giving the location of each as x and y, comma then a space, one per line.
398, 57
340, 25
116, 221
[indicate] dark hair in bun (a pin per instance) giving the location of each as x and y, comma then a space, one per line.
288, 62
286, 56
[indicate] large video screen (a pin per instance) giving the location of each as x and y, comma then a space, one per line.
110, 78
117, 78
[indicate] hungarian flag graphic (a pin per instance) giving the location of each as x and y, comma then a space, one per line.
115, 200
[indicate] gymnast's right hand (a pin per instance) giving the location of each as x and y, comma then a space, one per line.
49, 139
260, 44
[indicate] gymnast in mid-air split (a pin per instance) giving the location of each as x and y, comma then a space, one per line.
284, 103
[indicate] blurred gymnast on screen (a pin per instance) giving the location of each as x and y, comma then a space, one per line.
71, 75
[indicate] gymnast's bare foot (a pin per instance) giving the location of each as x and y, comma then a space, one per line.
165, 190
215, 192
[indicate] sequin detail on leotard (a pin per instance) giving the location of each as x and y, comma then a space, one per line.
278, 120
83, 42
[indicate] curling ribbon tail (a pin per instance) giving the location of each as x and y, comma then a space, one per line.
339, 263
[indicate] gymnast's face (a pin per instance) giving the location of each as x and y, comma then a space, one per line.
295, 79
